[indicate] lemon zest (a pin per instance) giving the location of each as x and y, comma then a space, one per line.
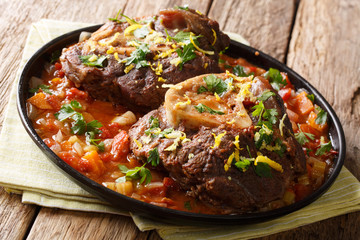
138, 144
218, 139
274, 165
215, 37
199, 49
128, 31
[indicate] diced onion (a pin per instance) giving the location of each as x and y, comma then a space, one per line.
56, 148
34, 82
154, 185
58, 137
127, 118
31, 111
84, 36
77, 147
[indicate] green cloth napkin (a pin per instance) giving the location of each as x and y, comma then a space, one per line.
25, 170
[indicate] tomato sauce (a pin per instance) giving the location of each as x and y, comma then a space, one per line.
103, 144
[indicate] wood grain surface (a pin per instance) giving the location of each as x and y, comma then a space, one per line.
319, 39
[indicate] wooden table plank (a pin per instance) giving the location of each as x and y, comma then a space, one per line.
325, 50
265, 24
15, 218
63, 224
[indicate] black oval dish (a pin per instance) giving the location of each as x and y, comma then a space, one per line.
34, 67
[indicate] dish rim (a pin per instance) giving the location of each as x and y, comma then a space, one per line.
165, 214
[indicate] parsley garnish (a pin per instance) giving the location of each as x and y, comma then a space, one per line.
154, 157
138, 56
239, 71
187, 205
186, 54
244, 163
214, 85
311, 97
324, 147
128, 19
43, 87
321, 116
266, 95
90, 138
263, 169
141, 32
203, 108
98, 61
141, 173
185, 7
79, 125
302, 137
275, 78
154, 123
55, 56
262, 112
264, 135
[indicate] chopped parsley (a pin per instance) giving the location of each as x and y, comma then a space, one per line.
240, 72
43, 87
244, 163
203, 108
138, 57
55, 56
321, 116
141, 173
187, 205
264, 136
266, 95
275, 78
79, 125
154, 124
263, 169
214, 85
128, 19
302, 137
263, 113
185, 7
324, 147
311, 97
186, 54
141, 32
154, 157
93, 60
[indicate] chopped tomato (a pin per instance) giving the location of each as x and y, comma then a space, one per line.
293, 116
53, 101
105, 133
70, 158
58, 66
285, 93
74, 93
301, 191
121, 145
312, 122
92, 164
304, 105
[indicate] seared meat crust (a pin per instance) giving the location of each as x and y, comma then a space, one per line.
141, 87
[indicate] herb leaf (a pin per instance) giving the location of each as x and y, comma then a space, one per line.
141, 32
187, 205
263, 169
311, 97
203, 108
275, 78
321, 116
243, 164
186, 54
55, 56
214, 85
185, 7
302, 137
325, 147
266, 95
154, 157
43, 87
141, 173
93, 60
240, 72
138, 57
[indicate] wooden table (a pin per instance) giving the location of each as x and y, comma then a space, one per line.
317, 38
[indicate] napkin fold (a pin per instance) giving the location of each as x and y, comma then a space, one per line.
25, 170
